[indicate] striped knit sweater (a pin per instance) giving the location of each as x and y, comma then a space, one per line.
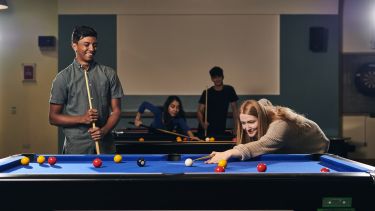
281, 137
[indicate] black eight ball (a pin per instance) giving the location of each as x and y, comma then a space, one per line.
141, 162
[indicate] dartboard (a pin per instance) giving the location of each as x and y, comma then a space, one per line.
365, 79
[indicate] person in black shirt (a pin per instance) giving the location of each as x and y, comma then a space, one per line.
219, 98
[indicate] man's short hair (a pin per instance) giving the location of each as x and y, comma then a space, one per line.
216, 71
80, 32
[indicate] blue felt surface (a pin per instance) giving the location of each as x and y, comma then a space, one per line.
158, 164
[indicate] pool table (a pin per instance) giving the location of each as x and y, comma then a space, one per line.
291, 182
153, 134
127, 142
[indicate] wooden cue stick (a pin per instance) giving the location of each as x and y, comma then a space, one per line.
90, 105
172, 133
164, 131
205, 114
202, 158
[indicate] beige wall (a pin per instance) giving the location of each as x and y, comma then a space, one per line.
24, 106
185, 46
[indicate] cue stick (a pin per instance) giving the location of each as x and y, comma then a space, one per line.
90, 105
205, 114
202, 158
164, 131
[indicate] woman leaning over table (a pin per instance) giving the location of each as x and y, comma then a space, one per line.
265, 128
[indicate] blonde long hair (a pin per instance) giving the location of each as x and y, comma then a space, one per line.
266, 113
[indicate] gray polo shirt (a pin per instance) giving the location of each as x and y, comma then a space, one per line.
69, 89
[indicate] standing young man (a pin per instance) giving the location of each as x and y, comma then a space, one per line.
69, 104
219, 98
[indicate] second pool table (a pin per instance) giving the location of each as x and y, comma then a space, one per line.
127, 142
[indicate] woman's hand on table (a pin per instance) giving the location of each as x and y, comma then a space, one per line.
216, 157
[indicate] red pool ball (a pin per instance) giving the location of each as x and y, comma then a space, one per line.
261, 167
97, 162
52, 160
324, 169
219, 169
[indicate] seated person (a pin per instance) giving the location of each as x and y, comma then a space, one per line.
171, 117
264, 128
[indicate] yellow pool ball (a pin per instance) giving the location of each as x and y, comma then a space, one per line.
178, 139
41, 159
117, 158
222, 163
212, 139
141, 139
25, 161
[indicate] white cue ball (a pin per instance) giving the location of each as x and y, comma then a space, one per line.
188, 162
207, 139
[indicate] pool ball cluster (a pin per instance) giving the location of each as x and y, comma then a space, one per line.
209, 139
221, 166
40, 159
97, 162
179, 139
